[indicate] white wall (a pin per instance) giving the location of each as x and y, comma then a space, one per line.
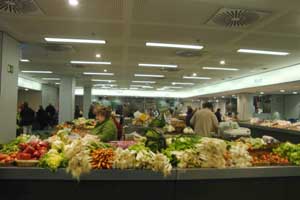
9, 55
32, 97
292, 106
49, 95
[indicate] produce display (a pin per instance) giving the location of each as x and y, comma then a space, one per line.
282, 124
80, 154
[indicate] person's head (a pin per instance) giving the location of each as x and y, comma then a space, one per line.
102, 113
25, 105
189, 109
41, 107
208, 105
218, 110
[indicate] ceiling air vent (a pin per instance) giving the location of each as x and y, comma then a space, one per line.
58, 47
235, 18
20, 7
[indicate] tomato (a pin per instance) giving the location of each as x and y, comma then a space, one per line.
23, 156
29, 149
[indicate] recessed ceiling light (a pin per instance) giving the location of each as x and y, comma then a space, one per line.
105, 85
223, 97
73, 40
98, 80
147, 82
105, 70
149, 75
98, 55
24, 60
262, 93
194, 74
51, 79
90, 62
222, 62
295, 92
73, 2
157, 65
178, 83
98, 73
181, 46
282, 91
26, 89
37, 72
196, 77
57, 83
173, 87
254, 51
221, 68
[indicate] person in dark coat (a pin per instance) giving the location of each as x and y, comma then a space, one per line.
219, 115
51, 114
189, 115
91, 113
27, 118
42, 118
77, 113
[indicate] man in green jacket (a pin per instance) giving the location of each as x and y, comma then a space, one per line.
105, 128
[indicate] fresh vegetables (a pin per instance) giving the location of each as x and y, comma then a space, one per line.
32, 150
168, 128
102, 158
53, 160
155, 140
290, 151
239, 155
13, 145
188, 130
7, 158
267, 158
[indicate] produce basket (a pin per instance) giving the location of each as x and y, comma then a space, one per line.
27, 163
6, 164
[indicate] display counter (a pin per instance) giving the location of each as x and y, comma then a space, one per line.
247, 183
282, 135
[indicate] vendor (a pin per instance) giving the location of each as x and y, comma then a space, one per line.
105, 128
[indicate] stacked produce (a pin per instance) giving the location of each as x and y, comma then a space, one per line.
102, 158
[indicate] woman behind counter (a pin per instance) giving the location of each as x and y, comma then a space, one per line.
105, 129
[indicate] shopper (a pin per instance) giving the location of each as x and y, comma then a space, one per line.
105, 128
42, 118
77, 112
189, 115
219, 115
51, 114
27, 118
118, 126
91, 114
205, 121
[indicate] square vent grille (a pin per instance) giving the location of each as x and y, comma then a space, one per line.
20, 7
236, 18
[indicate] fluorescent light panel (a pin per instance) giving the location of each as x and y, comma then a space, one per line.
37, 72
196, 77
24, 60
181, 46
98, 73
149, 75
254, 51
51, 79
90, 62
98, 80
73, 40
179, 83
149, 82
157, 65
221, 68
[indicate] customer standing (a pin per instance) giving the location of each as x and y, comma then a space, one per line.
42, 118
205, 121
219, 115
91, 114
189, 115
51, 114
27, 118
77, 112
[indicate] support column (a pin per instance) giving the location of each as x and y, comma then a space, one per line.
66, 99
87, 100
9, 69
245, 106
49, 95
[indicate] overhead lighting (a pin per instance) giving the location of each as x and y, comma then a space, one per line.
141, 86
157, 65
73, 2
37, 72
295, 92
282, 91
222, 62
24, 60
133, 88
181, 46
51, 79
98, 55
262, 93
106, 85
90, 62
194, 74
223, 97
221, 68
147, 82
173, 87
178, 83
98, 80
196, 77
98, 73
105, 70
253, 51
57, 83
123, 88
73, 40
26, 89
149, 75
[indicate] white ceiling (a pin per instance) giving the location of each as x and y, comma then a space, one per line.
127, 24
